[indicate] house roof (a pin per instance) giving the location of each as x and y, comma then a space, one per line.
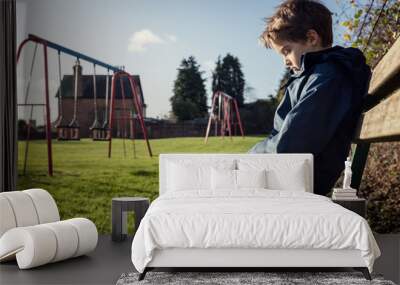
87, 87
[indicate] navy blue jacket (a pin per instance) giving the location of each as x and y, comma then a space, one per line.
320, 111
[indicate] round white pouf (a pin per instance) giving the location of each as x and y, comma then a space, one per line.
87, 233
40, 244
67, 240
23, 208
33, 246
7, 216
46, 207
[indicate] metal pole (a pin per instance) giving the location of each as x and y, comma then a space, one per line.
238, 117
48, 124
211, 117
24, 42
30, 75
138, 108
60, 114
107, 91
28, 134
31, 112
139, 113
228, 107
111, 112
95, 95
71, 52
133, 135
220, 119
223, 128
123, 114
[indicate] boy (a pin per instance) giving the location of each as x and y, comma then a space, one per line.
323, 99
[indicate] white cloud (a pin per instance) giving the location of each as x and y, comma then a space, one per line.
171, 38
141, 40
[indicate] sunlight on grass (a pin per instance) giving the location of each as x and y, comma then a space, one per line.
85, 179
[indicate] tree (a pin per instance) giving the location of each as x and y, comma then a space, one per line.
373, 26
228, 77
258, 116
189, 100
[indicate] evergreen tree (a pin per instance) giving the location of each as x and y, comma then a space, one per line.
189, 100
228, 77
258, 116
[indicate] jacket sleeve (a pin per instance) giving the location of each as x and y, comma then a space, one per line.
311, 124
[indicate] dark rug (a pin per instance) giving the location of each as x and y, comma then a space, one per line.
228, 278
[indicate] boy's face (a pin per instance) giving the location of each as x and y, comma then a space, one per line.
292, 51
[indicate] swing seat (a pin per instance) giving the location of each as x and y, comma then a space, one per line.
62, 129
97, 132
74, 131
68, 133
62, 132
100, 134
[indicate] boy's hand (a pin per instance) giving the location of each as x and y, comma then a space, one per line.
260, 147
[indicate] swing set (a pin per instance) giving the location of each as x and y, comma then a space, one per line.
224, 115
71, 130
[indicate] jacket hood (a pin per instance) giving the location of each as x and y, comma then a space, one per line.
350, 61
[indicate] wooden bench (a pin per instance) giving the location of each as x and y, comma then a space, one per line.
380, 121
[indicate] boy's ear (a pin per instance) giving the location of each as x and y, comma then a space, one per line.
313, 38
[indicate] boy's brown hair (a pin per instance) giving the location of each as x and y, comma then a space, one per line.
293, 19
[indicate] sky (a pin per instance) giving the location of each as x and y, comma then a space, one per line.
150, 38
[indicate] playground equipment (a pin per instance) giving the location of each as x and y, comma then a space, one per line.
70, 131
101, 132
96, 127
224, 115
60, 124
32, 106
139, 111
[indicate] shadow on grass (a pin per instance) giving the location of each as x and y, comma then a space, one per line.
145, 173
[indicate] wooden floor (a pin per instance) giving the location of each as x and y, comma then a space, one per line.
102, 266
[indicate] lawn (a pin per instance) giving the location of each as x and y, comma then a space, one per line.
85, 179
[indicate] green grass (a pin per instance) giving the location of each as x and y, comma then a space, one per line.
85, 179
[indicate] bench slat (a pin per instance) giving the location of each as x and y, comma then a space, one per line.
381, 120
381, 123
386, 75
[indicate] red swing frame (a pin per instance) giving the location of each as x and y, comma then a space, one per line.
228, 103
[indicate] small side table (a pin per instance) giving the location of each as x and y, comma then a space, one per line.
358, 205
119, 208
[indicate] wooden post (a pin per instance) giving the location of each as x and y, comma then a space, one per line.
359, 160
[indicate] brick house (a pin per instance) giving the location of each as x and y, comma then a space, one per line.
85, 103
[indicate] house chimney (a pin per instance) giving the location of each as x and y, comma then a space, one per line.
78, 72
